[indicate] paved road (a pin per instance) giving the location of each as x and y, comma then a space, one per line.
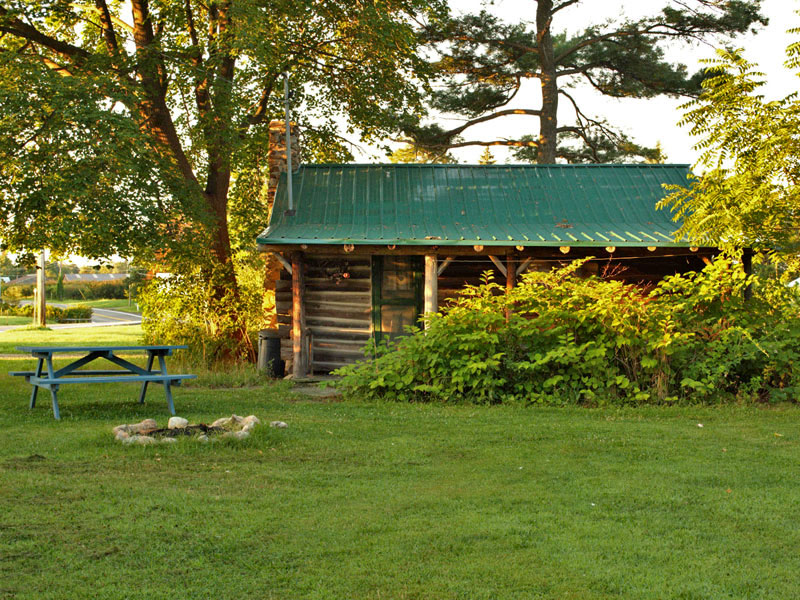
114, 317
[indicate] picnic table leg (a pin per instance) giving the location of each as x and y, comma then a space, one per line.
35, 390
144, 385
167, 387
53, 388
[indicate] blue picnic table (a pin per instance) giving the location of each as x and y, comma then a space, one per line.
46, 377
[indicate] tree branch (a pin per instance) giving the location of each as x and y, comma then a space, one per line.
451, 133
196, 56
259, 112
16, 27
108, 28
510, 143
150, 67
563, 5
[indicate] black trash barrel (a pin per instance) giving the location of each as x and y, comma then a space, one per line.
269, 353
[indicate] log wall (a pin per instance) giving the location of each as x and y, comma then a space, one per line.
338, 301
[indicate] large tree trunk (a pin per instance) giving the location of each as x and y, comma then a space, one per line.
548, 121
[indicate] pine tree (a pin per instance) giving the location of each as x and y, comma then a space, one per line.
484, 62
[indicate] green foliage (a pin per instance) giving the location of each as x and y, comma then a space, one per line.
59, 293
482, 63
748, 194
487, 158
71, 291
53, 313
569, 340
415, 154
182, 309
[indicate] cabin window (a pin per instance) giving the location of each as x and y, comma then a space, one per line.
396, 294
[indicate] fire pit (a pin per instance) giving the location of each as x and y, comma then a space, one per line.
148, 431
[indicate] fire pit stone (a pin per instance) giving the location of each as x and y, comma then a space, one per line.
148, 432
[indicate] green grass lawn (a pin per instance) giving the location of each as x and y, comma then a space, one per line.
117, 335
395, 501
8, 320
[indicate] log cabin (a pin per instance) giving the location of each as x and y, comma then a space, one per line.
368, 248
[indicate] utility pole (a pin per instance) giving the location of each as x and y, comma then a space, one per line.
40, 302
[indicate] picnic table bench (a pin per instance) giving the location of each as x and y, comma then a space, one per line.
52, 379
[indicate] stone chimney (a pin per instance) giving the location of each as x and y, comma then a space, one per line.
276, 156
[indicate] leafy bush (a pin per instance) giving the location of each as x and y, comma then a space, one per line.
183, 310
568, 340
52, 313
103, 290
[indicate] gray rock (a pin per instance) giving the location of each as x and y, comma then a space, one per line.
142, 440
279, 424
177, 423
145, 425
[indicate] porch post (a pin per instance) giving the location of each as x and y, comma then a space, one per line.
431, 285
511, 279
299, 353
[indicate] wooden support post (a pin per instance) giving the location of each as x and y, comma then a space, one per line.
431, 285
500, 266
299, 350
40, 308
511, 279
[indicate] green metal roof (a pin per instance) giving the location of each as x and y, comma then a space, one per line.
450, 205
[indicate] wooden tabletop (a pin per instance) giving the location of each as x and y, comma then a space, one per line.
52, 349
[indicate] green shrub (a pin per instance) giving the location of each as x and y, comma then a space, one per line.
52, 313
103, 290
568, 340
183, 310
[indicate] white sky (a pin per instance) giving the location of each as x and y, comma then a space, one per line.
645, 121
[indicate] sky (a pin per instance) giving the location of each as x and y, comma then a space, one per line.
646, 121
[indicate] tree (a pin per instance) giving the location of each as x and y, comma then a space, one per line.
409, 153
139, 127
749, 191
483, 63
487, 158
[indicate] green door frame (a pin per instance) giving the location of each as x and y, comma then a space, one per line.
378, 300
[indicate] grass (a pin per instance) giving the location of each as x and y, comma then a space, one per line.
119, 335
8, 320
395, 501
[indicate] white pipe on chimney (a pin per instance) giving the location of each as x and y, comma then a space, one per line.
288, 141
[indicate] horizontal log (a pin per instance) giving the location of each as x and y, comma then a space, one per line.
344, 324
328, 295
337, 355
353, 271
350, 345
325, 285
358, 335
362, 313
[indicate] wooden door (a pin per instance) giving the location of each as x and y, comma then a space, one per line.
396, 295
